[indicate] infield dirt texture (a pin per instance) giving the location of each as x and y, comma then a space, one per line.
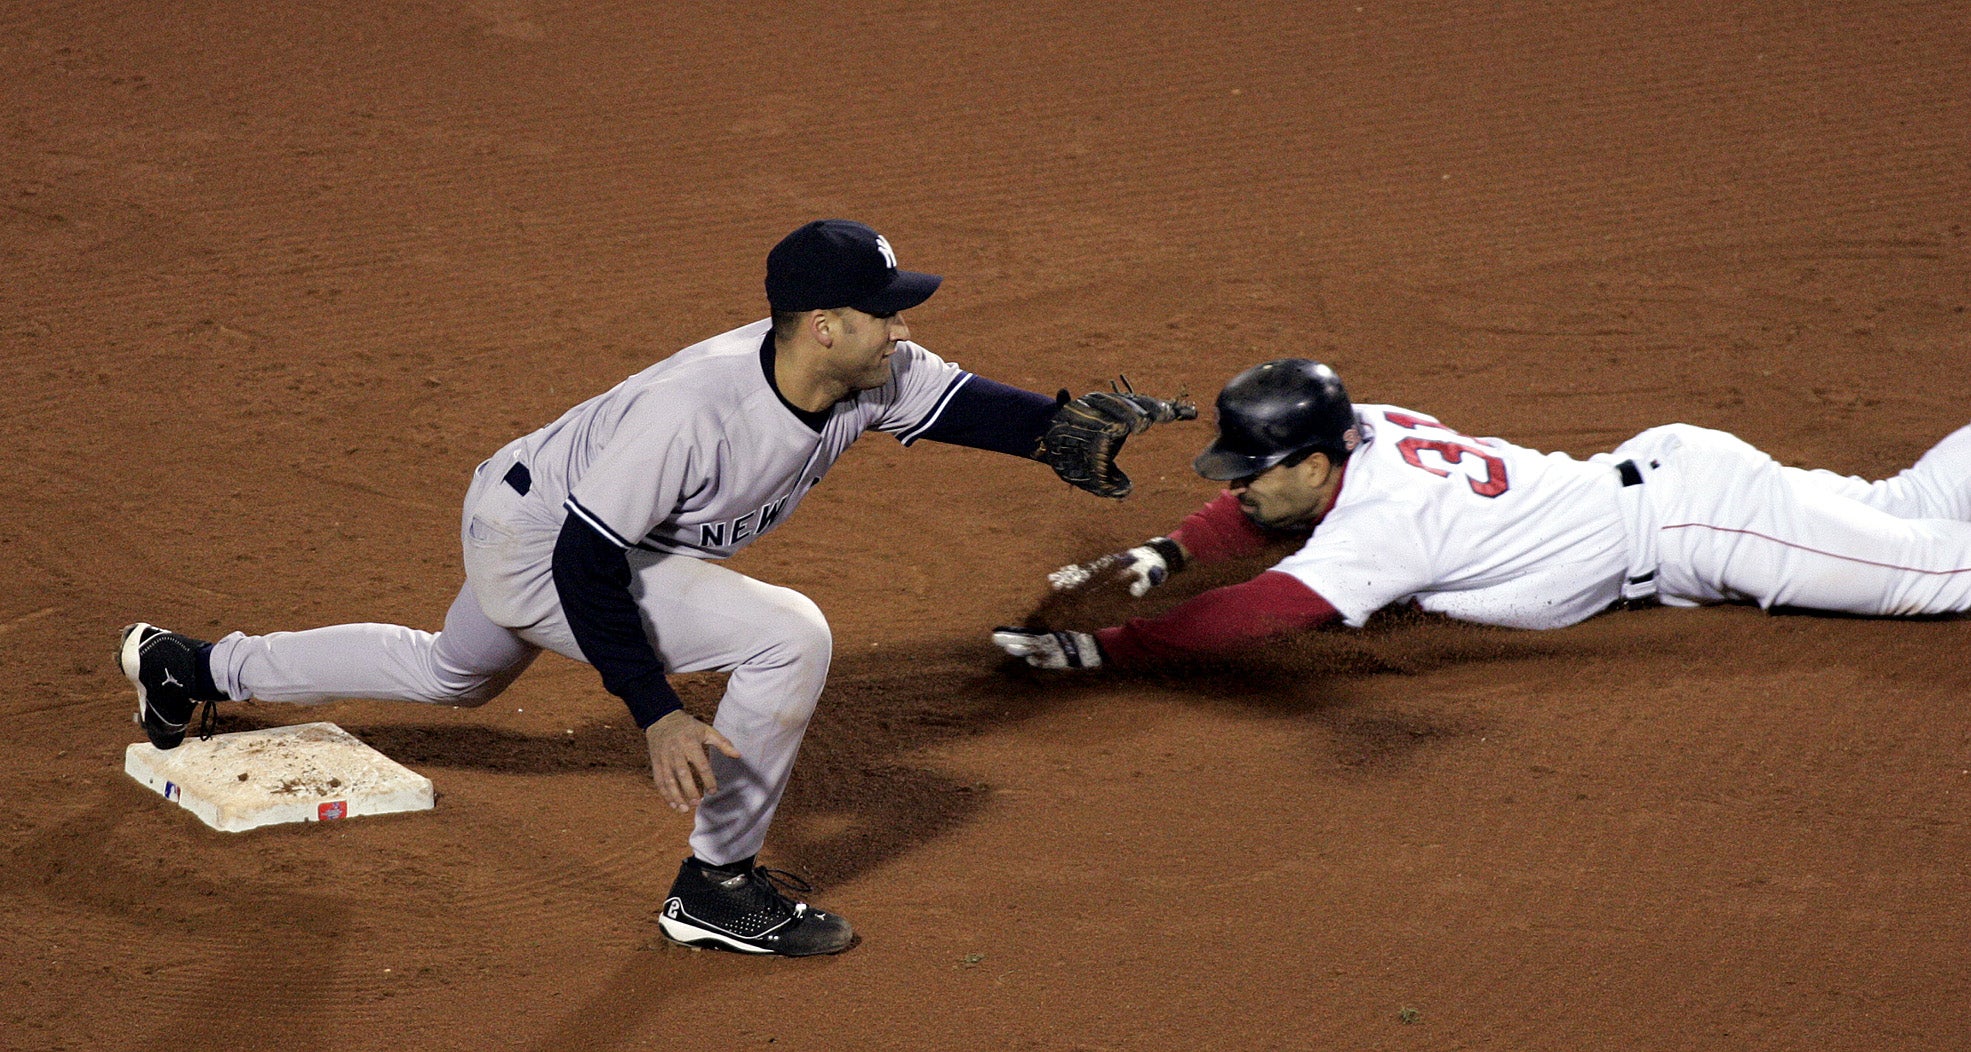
274, 277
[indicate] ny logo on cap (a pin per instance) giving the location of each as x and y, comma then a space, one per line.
889, 254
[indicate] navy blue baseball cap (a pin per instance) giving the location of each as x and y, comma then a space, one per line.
833, 263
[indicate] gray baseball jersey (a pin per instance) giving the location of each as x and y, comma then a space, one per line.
600, 537
698, 455
669, 472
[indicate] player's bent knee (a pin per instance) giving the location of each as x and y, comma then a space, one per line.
793, 629
468, 687
792, 649
467, 695
471, 691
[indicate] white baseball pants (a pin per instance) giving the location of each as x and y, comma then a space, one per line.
1729, 523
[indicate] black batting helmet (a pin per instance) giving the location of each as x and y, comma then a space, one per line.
1277, 411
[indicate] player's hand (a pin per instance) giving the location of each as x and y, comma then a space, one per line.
1050, 649
681, 760
1143, 567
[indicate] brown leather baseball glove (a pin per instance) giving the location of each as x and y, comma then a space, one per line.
1082, 440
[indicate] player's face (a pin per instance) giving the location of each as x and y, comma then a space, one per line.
1283, 497
863, 345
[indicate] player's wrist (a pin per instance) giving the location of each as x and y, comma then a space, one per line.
668, 721
1079, 650
1170, 551
652, 702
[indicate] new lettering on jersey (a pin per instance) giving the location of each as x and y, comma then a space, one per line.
1478, 529
713, 535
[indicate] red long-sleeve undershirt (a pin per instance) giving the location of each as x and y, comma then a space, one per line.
1222, 620
1219, 531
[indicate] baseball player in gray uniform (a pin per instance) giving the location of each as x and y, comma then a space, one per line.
598, 537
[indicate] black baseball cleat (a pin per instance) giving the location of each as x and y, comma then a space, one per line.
746, 912
162, 666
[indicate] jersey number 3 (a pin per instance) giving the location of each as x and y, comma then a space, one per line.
1483, 472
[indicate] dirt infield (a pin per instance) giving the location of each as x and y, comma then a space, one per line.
275, 277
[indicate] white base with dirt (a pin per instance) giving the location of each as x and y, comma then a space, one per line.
310, 772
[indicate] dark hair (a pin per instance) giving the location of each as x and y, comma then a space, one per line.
786, 323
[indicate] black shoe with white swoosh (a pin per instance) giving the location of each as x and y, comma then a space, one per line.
162, 666
746, 912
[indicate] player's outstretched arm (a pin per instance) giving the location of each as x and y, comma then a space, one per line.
1220, 622
1077, 437
681, 760
1216, 623
1213, 533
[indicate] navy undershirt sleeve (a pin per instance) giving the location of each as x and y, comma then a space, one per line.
592, 577
986, 414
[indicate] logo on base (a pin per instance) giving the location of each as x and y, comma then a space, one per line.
171, 790
332, 810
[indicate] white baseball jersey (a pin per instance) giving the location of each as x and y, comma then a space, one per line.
698, 455
1485, 531
1477, 529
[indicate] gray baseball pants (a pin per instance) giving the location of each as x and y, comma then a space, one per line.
700, 616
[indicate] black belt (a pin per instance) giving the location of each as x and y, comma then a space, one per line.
1632, 475
522, 480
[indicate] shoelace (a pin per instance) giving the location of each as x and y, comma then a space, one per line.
208, 720
779, 879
